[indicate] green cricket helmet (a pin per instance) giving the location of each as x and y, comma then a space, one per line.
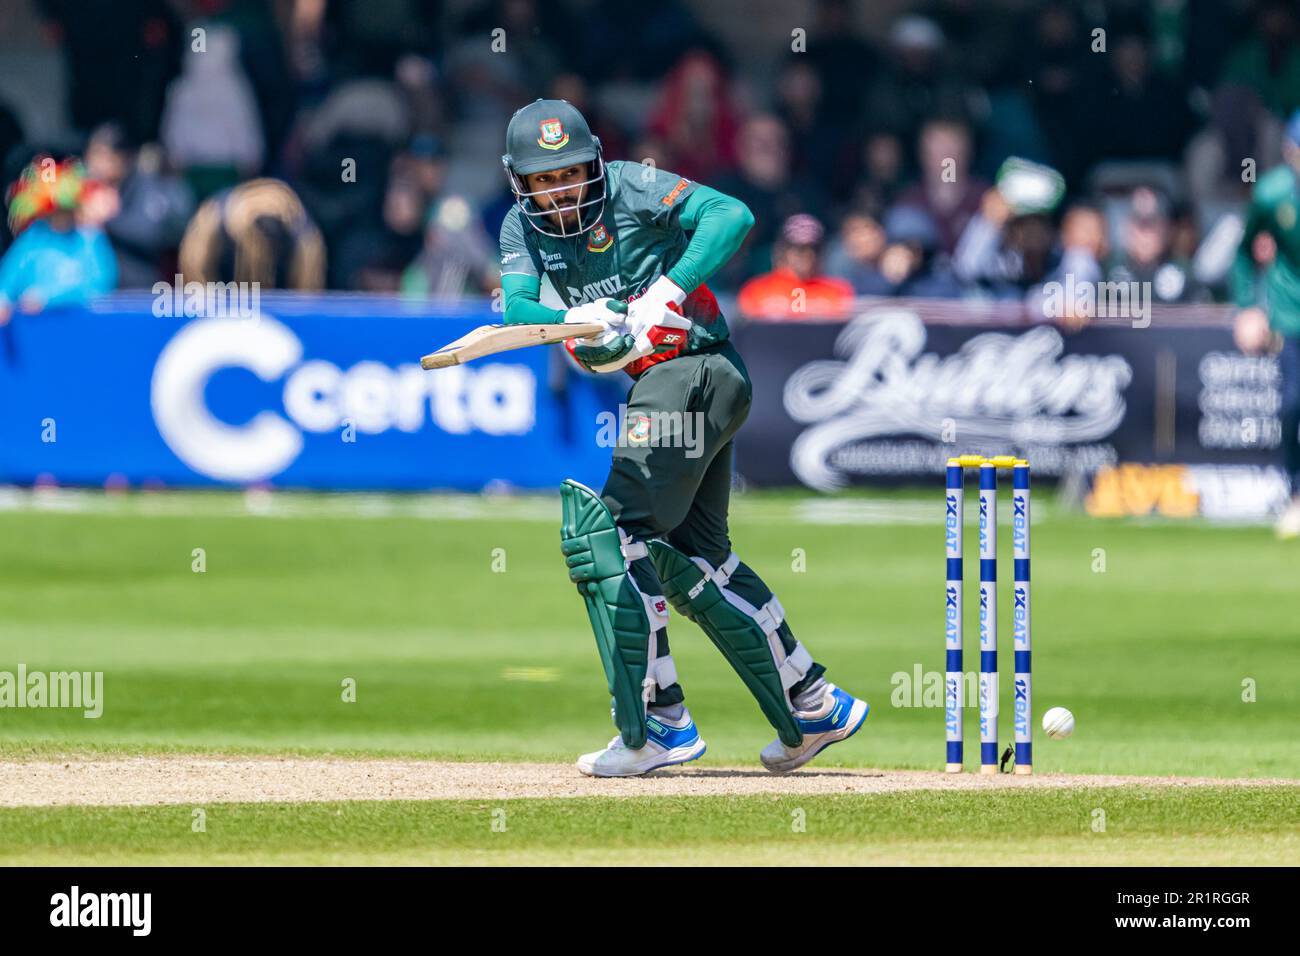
552, 134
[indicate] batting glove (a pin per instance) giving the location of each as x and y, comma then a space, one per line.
647, 310
656, 322
597, 353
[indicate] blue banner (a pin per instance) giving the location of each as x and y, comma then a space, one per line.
309, 392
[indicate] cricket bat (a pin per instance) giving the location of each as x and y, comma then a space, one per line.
490, 339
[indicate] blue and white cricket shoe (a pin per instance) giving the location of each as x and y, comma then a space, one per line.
668, 742
838, 718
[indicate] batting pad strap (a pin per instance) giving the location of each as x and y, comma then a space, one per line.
722, 575
661, 674
770, 616
795, 666
632, 550
730, 623
660, 671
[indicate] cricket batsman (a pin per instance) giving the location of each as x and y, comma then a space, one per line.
1274, 207
631, 246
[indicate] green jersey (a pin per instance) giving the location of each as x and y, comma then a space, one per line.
1273, 209
650, 220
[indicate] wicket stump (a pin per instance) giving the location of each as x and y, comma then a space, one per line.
955, 682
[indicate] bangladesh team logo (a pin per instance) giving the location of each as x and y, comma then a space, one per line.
599, 239
553, 134
639, 433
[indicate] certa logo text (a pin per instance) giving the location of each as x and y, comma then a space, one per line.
316, 397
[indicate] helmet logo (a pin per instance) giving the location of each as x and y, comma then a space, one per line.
553, 134
600, 239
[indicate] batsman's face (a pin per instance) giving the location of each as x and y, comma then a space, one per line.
559, 190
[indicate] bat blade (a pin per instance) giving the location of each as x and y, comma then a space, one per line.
491, 339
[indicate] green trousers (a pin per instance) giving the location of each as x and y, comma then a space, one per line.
671, 473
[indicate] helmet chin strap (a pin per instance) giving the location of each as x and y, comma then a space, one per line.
559, 219
583, 211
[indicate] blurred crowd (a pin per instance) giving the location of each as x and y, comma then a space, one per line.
972, 149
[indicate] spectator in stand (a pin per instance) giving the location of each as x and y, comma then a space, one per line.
60, 255
256, 232
796, 288
346, 145
1060, 78
1268, 60
154, 206
359, 40
417, 81
458, 258
875, 171
210, 126
913, 264
765, 184
646, 35
374, 256
425, 161
1139, 113
373, 259
262, 58
1240, 128
845, 64
1184, 241
696, 119
854, 255
1010, 128
1144, 251
1006, 249
489, 85
815, 133
1084, 248
917, 83
947, 191
979, 35
120, 58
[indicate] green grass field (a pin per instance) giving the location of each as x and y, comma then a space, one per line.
466, 642
1147, 826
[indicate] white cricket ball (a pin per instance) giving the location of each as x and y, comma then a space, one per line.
1058, 723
